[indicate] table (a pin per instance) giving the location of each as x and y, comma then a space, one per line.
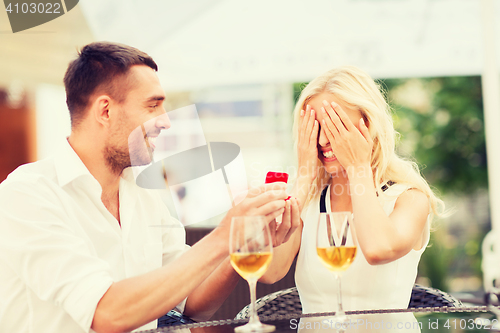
435, 320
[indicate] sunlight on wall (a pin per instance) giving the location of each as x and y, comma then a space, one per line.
52, 119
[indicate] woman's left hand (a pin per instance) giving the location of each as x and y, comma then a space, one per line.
351, 145
290, 221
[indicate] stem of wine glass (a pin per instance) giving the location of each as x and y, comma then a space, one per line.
340, 311
252, 283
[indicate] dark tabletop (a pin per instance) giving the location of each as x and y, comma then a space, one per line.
466, 319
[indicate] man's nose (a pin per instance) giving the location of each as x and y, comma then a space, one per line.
163, 121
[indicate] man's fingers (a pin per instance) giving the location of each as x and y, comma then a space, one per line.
256, 191
269, 207
266, 197
271, 216
276, 186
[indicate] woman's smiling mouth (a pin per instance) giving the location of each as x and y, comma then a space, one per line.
328, 155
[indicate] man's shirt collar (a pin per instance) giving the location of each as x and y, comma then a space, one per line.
68, 165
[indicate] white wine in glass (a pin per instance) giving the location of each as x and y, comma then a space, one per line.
336, 246
251, 265
251, 250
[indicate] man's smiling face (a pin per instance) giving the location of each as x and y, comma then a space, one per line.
138, 122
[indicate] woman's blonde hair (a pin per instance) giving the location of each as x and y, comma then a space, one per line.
356, 90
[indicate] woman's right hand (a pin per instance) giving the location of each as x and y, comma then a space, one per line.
308, 145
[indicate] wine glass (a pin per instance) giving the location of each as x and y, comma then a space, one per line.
251, 250
336, 246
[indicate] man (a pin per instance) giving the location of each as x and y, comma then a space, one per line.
77, 250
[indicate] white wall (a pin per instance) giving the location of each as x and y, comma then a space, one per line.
52, 119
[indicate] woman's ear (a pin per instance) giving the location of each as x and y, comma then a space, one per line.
367, 124
363, 121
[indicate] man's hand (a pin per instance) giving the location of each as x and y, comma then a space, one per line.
267, 200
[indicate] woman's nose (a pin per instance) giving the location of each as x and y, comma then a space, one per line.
322, 139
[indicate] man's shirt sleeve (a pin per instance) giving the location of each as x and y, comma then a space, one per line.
174, 243
49, 254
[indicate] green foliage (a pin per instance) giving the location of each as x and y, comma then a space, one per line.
297, 89
447, 136
435, 263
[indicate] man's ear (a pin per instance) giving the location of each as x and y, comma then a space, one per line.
101, 109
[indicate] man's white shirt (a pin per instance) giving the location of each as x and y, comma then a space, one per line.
61, 249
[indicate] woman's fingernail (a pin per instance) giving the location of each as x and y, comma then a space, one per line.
323, 109
301, 113
362, 122
325, 103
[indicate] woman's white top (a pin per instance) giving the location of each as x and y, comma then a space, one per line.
364, 287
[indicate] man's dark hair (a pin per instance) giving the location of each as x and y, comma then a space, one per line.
99, 66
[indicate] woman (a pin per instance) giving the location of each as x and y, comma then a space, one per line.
346, 146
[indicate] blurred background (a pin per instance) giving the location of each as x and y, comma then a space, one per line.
243, 65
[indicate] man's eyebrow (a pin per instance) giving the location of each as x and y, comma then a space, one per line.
155, 98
